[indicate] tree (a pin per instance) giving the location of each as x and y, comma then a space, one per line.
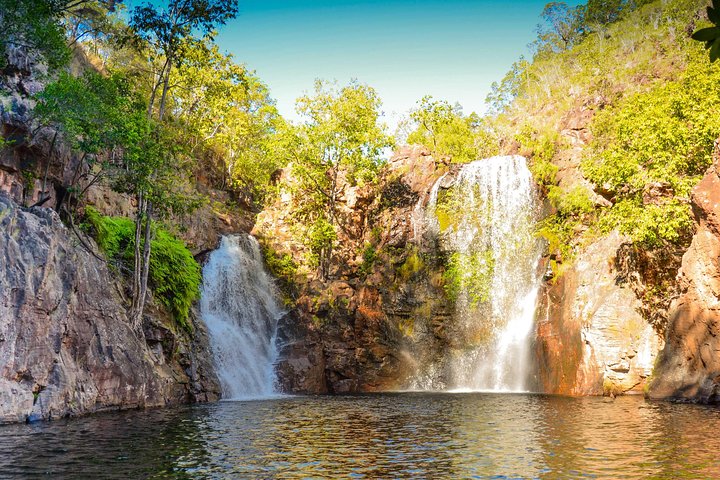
711, 35
165, 33
562, 27
444, 129
603, 12
341, 138
168, 32
40, 25
228, 118
92, 114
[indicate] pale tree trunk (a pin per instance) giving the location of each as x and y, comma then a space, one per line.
136, 308
166, 87
145, 259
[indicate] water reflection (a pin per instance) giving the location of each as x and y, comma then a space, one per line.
378, 436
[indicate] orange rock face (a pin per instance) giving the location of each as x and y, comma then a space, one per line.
689, 366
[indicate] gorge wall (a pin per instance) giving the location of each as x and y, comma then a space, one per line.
688, 368
66, 346
379, 313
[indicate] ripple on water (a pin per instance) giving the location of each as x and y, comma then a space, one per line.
404, 435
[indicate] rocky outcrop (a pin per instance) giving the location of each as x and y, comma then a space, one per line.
66, 346
591, 336
689, 366
382, 309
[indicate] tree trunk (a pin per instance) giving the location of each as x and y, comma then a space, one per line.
135, 309
145, 263
166, 87
153, 92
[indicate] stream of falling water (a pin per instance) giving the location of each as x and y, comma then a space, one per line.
491, 236
240, 308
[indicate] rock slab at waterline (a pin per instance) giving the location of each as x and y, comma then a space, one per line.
66, 347
591, 336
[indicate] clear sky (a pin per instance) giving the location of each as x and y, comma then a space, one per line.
405, 49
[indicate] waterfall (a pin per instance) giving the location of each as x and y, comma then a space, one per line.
240, 308
487, 230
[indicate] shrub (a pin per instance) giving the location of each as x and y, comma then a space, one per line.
664, 135
174, 274
370, 254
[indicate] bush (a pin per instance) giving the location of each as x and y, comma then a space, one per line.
174, 274
280, 265
370, 255
664, 135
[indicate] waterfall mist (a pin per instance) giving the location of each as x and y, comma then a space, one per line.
489, 235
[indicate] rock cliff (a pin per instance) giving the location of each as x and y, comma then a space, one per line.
378, 314
689, 366
66, 346
591, 336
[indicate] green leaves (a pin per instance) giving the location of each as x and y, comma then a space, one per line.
664, 136
711, 35
706, 34
174, 273
445, 131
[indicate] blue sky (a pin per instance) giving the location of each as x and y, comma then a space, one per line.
405, 49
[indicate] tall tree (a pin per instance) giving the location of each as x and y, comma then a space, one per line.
165, 32
562, 27
342, 138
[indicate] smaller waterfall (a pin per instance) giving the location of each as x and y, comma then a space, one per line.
240, 308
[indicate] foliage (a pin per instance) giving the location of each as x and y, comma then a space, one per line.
94, 112
664, 136
652, 225
52, 28
37, 25
369, 256
469, 273
646, 45
445, 131
280, 265
711, 35
571, 203
321, 239
229, 119
112, 234
174, 273
341, 139
411, 266
540, 148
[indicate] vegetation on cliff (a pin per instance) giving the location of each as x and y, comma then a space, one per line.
616, 108
174, 273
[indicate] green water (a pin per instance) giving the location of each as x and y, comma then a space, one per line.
377, 436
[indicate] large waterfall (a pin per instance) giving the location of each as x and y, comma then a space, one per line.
486, 226
240, 307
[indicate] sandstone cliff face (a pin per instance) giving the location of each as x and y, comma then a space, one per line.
66, 347
367, 326
689, 365
591, 336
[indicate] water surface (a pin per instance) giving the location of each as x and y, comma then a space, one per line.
410, 435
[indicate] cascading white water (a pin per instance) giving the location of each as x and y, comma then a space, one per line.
496, 253
240, 308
